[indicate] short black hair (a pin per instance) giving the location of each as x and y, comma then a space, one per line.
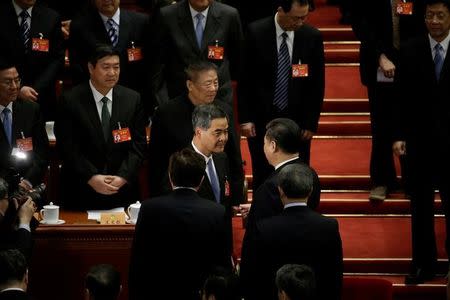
286, 5
13, 266
297, 281
446, 3
296, 180
4, 188
285, 133
103, 282
204, 114
194, 69
100, 51
222, 284
186, 168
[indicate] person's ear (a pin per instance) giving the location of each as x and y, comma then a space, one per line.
90, 68
189, 84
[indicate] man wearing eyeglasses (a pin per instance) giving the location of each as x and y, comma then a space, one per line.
172, 130
23, 139
424, 133
283, 77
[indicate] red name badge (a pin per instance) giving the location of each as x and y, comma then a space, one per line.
25, 145
405, 8
300, 70
227, 188
40, 45
134, 54
215, 52
121, 135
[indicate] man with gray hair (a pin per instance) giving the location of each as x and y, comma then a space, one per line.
298, 235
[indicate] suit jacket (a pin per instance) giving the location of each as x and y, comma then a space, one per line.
27, 119
372, 25
172, 131
14, 295
257, 89
85, 152
175, 47
266, 199
297, 236
88, 29
188, 235
424, 109
37, 69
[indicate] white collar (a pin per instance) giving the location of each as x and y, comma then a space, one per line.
115, 17
8, 106
99, 96
19, 9
279, 31
207, 158
295, 204
194, 12
444, 43
12, 289
286, 161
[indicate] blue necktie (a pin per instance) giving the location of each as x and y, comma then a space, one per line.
199, 29
25, 28
105, 118
112, 32
283, 74
438, 60
7, 123
213, 180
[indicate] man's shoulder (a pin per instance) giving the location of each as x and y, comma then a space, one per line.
46, 13
224, 8
309, 30
134, 16
123, 90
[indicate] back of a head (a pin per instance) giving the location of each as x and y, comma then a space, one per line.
285, 133
296, 181
296, 281
103, 282
221, 284
186, 168
13, 266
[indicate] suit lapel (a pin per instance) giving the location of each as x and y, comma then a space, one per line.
18, 122
35, 23
186, 24
99, 28
124, 30
445, 68
211, 26
89, 105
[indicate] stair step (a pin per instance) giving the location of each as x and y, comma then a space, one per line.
359, 203
338, 88
342, 52
344, 124
434, 289
337, 33
345, 105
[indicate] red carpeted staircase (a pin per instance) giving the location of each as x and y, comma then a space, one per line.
376, 236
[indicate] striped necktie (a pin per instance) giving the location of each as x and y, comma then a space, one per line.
25, 28
282, 84
7, 124
438, 60
112, 32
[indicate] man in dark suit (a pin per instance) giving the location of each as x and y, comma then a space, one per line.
283, 77
188, 236
14, 275
172, 130
23, 139
382, 32
280, 147
297, 236
424, 130
104, 22
100, 134
32, 33
189, 31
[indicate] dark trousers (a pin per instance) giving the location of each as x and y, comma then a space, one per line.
426, 175
382, 99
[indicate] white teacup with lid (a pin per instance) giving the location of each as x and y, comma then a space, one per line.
50, 214
133, 212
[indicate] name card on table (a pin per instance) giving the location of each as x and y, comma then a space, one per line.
117, 218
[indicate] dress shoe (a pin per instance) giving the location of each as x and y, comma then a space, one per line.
419, 276
378, 193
